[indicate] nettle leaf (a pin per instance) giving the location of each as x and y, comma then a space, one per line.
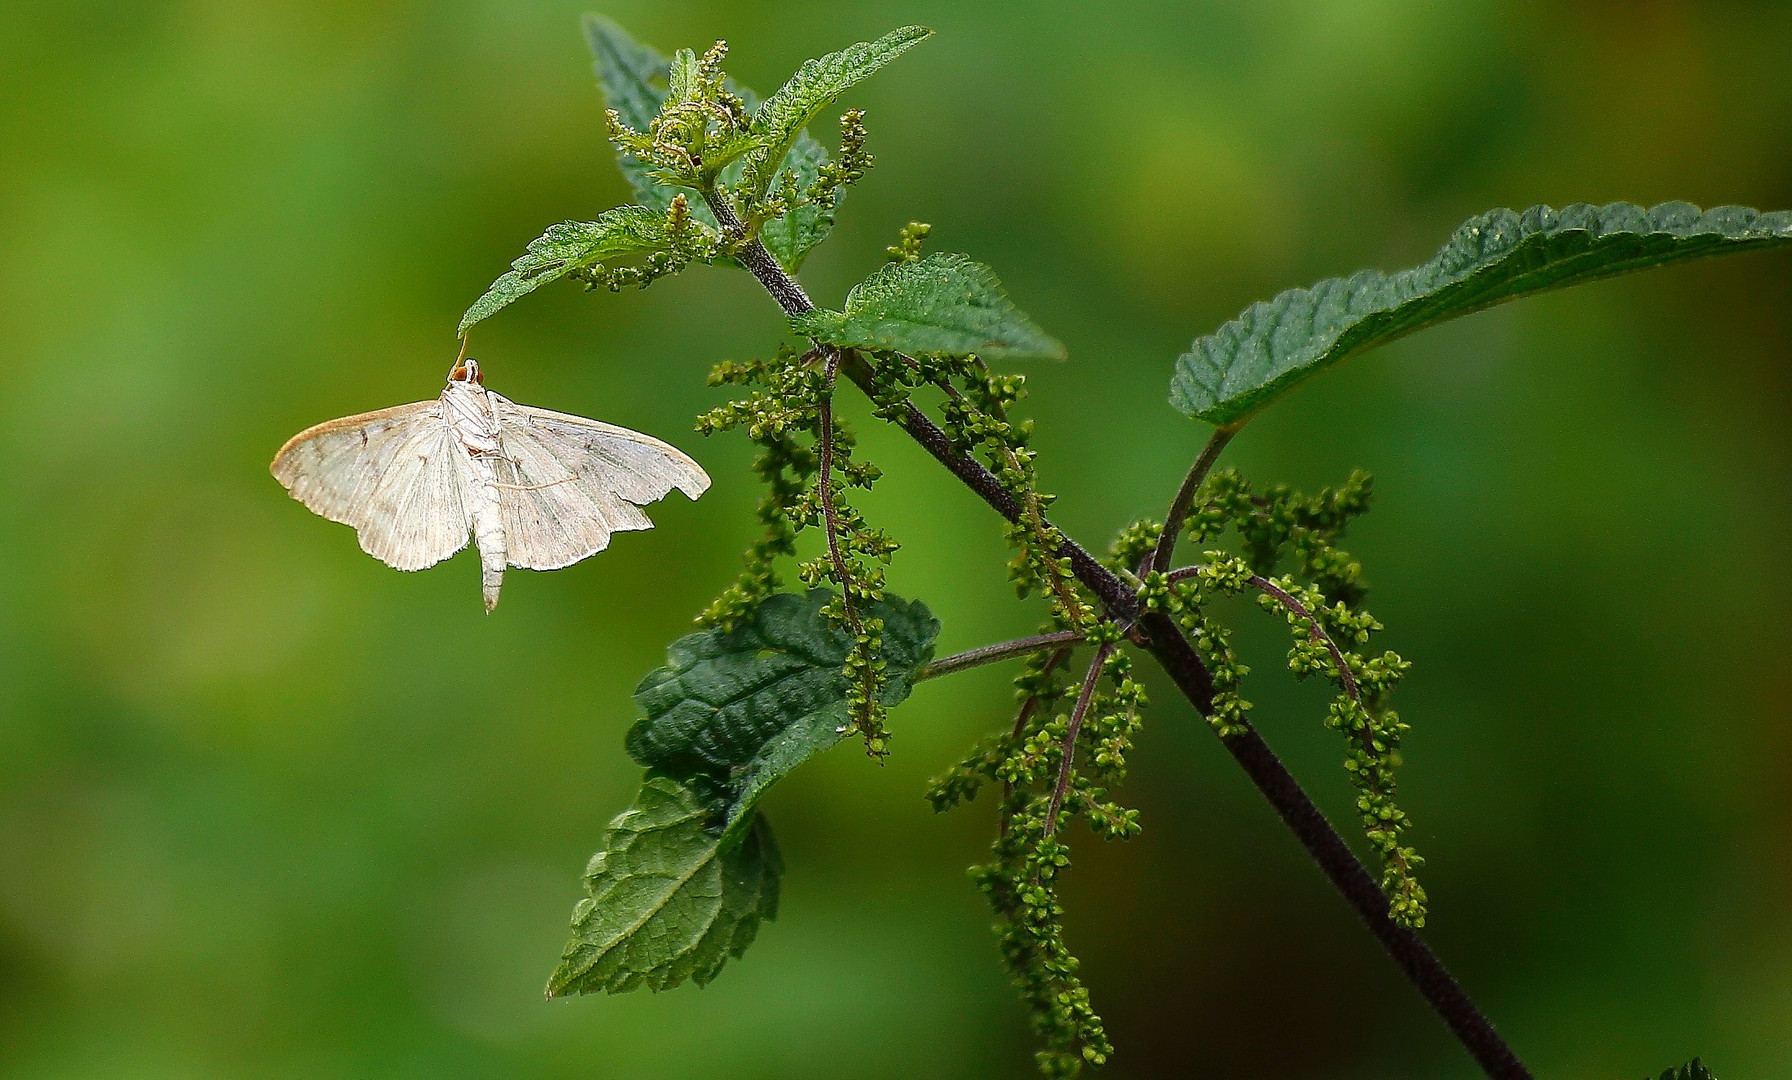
734, 711
942, 305
1499, 256
1692, 1070
633, 77
813, 88
670, 897
635, 80
570, 245
689, 871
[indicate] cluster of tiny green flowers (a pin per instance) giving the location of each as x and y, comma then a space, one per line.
1375, 731
823, 192
701, 138
1279, 521
775, 419
860, 583
907, 247
1127, 553
702, 127
1185, 600
1042, 791
1329, 629
1021, 885
788, 418
688, 241
976, 418
1029, 854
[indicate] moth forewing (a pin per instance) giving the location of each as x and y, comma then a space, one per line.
392, 475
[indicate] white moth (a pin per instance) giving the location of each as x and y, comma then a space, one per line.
533, 488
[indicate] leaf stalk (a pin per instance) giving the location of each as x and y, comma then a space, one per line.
992, 654
1185, 498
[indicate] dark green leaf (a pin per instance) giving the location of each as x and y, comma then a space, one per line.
943, 305
1501, 255
633, 77
734, 711
1692, 1070
813, 88
623, 231
670, 897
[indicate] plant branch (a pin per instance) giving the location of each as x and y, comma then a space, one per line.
1185, 498
990, 654
1068, 756
1185, 668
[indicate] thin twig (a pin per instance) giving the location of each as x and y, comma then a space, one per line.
1077, 713
1366, 736
1165, 642
1020, 725
1317, 632
1185, 498
990, 654
1281, 596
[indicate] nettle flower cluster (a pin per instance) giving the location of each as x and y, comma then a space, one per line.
773, 676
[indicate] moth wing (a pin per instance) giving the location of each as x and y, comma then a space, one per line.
571, 482
394, 475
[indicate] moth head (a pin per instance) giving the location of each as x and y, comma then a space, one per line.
467, 371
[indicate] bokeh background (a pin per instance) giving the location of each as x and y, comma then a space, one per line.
269, 809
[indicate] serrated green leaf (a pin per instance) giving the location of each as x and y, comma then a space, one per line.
670, 897
734, 711
813, 88
943, 305
623, 231
1499, 256
632, 76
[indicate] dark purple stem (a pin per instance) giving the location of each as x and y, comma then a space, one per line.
1076, 725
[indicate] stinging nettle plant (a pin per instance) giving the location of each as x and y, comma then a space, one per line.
775, 675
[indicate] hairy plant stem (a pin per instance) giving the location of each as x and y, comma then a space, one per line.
1179, 660
1068, 756
990, 654
1185, 499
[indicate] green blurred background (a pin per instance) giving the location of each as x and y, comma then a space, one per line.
269, 809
